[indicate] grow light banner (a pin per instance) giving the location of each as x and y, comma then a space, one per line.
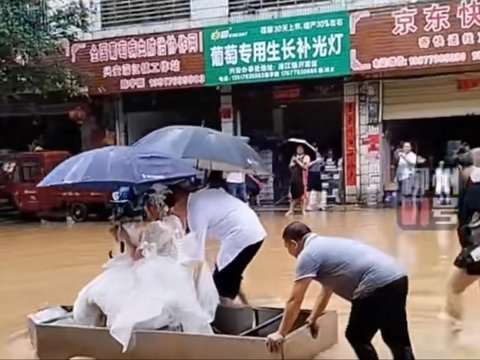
305, 47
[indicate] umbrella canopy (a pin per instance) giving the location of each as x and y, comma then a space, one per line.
114, 166
290, 145
207, 148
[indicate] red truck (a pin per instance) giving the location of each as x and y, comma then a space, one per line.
6, 169
29, 168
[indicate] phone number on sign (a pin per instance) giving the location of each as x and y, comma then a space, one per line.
161, 82
421, 60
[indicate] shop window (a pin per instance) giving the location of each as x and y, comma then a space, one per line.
120, 12
250, 6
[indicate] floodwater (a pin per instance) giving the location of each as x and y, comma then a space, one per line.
49, 263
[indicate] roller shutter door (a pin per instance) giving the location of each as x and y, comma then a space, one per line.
430, 98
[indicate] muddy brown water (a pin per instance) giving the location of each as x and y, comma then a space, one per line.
49, 263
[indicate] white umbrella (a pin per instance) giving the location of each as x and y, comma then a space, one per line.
308, 147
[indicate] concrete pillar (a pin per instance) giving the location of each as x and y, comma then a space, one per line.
362, 142
227, 115
120, 121
350, 146
369, 136
278, 124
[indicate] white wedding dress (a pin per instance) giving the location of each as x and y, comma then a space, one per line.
163, 290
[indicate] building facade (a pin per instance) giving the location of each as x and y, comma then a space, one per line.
427, 57
352, 76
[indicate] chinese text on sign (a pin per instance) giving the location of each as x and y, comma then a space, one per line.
439, 33
280, 49
142, 63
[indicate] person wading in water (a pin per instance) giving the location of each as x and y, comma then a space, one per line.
371, 280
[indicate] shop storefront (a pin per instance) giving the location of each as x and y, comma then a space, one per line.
283, 78
428, 56
25, 126
151, 81
430, 112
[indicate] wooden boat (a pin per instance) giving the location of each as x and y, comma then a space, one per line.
240, 334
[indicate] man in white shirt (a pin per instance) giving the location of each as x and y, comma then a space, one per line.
407, 160
236, 185
213, 213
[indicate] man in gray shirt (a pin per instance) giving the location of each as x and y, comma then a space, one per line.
371, 280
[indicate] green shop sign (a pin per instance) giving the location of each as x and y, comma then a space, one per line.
303, 47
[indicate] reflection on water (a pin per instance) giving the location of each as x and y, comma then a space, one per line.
49, 263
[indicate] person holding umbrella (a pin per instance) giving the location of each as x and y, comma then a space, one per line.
212, 212
298, 180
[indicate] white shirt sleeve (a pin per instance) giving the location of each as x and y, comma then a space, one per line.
197, 219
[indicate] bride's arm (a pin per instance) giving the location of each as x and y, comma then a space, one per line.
85, 311
96, 296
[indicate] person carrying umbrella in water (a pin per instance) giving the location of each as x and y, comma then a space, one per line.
212, 212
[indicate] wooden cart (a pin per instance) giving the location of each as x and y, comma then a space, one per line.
242, 333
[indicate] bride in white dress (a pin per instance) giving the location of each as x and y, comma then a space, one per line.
151, 285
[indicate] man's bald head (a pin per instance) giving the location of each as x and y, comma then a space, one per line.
469, 160
465, 159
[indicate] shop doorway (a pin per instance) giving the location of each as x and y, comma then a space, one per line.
146, 112
318, 122
309, 110
52, 132
429, 137
270, 114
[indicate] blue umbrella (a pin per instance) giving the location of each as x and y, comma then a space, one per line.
114, 166
207, 148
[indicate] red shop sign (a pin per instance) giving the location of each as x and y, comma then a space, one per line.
350, 144
136, 63
436, 34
